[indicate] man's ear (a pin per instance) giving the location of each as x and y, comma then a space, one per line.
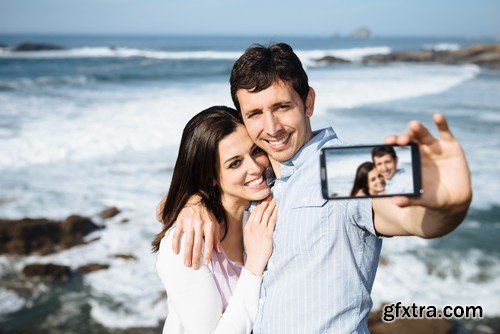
311, 97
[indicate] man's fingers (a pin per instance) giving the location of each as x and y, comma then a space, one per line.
390, 140
209, 244
403, 139
442, 126
176, 241
188, 251
403, 201
197, 246
420, 134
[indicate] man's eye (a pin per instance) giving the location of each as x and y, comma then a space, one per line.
235, 164
251, 115
284, 106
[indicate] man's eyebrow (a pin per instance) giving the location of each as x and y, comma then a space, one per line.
252, 111
280, 103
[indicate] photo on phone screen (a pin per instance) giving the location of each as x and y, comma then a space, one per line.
370, 171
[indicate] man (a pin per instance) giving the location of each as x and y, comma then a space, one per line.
397, 180
326, 253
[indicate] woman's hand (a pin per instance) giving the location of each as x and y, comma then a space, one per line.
258, 235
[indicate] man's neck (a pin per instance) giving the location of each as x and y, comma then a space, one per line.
276, 167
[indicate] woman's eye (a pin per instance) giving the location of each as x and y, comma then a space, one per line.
257, 151
235, 164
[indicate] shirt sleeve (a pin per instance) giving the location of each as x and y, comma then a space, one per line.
197, 301
360, 213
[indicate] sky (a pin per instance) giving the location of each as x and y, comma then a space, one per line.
460, 18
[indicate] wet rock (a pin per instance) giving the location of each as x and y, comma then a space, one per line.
332, 60
47, 271
483, 55
109, 212
125, 256
91, 267
29, 46
43, 236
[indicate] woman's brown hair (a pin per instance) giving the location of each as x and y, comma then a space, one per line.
196, 167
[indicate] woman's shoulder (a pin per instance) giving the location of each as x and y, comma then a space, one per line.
166, 255
167, 239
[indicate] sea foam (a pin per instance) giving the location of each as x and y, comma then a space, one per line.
353, 54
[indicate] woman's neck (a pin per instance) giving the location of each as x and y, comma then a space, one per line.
233, 241
234, 210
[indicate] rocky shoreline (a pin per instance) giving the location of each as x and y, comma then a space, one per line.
42, 236
486, 55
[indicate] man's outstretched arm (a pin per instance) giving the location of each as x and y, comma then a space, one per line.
446, 183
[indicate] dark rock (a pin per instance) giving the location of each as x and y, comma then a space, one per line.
29, 46
383, 261
402, 56
47, 271
483, 55
90, 267
408, 326
124, 220
332, 60
109, 212
44, 236
124, 256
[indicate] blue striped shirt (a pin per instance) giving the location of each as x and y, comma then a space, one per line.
325, 256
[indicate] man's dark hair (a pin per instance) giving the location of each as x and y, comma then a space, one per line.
260, 67
380, 151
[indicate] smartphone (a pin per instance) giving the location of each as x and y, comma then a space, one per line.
370, 171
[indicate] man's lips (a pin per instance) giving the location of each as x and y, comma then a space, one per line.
278, 143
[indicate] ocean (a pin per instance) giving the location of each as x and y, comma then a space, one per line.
99, 123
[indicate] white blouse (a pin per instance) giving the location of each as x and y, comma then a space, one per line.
195, 304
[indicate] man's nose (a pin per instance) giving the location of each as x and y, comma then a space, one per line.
272, 126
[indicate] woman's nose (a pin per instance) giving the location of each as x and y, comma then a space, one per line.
254, 167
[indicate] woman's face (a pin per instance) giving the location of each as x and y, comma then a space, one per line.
242, 167
376, 182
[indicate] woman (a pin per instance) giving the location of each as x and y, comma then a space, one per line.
218, 162
368, 181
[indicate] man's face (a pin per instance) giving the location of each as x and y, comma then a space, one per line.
276, 119
386, 165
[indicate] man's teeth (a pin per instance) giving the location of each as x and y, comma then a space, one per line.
278, 142
255, 182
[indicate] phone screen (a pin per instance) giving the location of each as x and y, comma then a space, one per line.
370, 171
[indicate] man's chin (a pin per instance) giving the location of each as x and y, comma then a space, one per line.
281, 156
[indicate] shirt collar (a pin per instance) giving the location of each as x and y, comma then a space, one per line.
311, 148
